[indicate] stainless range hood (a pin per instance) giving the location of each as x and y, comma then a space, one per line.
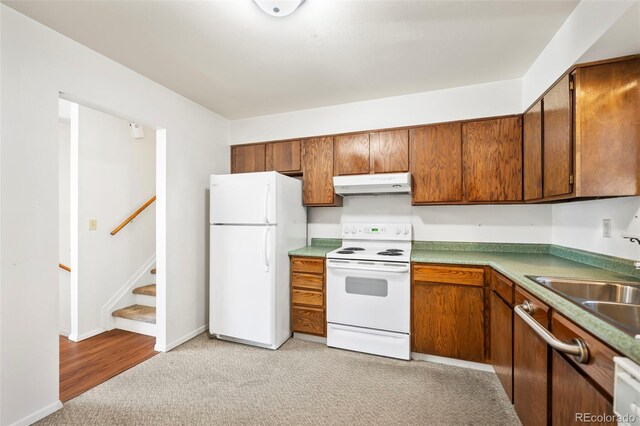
383, 183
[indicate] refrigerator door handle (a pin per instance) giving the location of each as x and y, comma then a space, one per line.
266, 246
266, 204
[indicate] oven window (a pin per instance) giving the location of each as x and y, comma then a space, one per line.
367, 286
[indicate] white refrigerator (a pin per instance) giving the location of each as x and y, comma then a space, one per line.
255, 219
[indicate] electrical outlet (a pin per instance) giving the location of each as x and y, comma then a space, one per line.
93, 224
606, 228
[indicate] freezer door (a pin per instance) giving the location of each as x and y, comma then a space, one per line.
242, 282
243, 198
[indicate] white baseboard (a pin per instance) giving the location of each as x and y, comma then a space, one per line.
178, 342
38, 415
83, 336
452, 361
310, 338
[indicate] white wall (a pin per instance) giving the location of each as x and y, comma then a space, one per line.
64, 278
116, 175
588, 22
579, 225
487, 223
38, 63
482, 100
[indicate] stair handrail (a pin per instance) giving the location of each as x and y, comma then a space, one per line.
133, 215
65, 267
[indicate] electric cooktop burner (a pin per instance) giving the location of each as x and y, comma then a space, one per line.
389, 253
353, 248
345, 251
394, 250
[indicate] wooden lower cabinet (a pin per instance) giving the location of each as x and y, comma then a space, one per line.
308, 298
448, 311
574, 397
530, 365
502, 342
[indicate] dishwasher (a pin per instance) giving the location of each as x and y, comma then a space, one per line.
626, 398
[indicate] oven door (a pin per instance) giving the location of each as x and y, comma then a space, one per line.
369, 294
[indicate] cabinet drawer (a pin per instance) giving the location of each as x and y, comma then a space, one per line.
307, 281
307, 264
600, 367
448, 275
310, 298
502, 286
308, 320
540, 310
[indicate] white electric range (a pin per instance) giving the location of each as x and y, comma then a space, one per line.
369, 290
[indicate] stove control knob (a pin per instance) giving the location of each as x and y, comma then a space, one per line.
406, 231
397, 230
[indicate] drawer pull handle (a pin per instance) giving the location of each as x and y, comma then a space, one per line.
577, 347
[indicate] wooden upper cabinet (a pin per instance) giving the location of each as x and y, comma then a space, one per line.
532, 152
558, 141
436, 163
317, 170
247, 158
351, 154
492, 159
283, 156
607, 120
389, 151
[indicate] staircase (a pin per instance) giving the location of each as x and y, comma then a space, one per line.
141, 317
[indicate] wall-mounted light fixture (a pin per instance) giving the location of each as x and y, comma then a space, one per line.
279, 8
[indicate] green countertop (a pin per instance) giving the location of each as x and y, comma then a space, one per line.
517, 260
516, 265
319, 248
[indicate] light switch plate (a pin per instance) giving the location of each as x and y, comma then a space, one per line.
93, 224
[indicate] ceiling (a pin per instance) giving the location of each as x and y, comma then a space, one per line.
235, 60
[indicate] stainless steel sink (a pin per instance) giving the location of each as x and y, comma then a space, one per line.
617, 302
605, 291
626, 315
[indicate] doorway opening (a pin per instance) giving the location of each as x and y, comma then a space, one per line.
109, 169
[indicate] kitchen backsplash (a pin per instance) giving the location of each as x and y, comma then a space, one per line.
576, 224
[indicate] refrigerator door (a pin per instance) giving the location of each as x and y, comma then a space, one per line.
243, 198
242, 283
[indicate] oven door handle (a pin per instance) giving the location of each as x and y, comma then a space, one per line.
399, 269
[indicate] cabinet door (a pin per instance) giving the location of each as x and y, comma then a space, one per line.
351, 154
317, 170
492, 158
532, 152
558, 141
502, 342
436, 163
530, 365
389, 151
448, 320
572, 395
283, 156
607, 132
247, 158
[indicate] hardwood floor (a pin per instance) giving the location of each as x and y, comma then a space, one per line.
88, 363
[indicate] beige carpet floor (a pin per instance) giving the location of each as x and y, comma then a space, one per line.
213, 382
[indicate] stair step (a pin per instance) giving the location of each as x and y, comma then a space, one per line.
147, 290
137, 313
153, 271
